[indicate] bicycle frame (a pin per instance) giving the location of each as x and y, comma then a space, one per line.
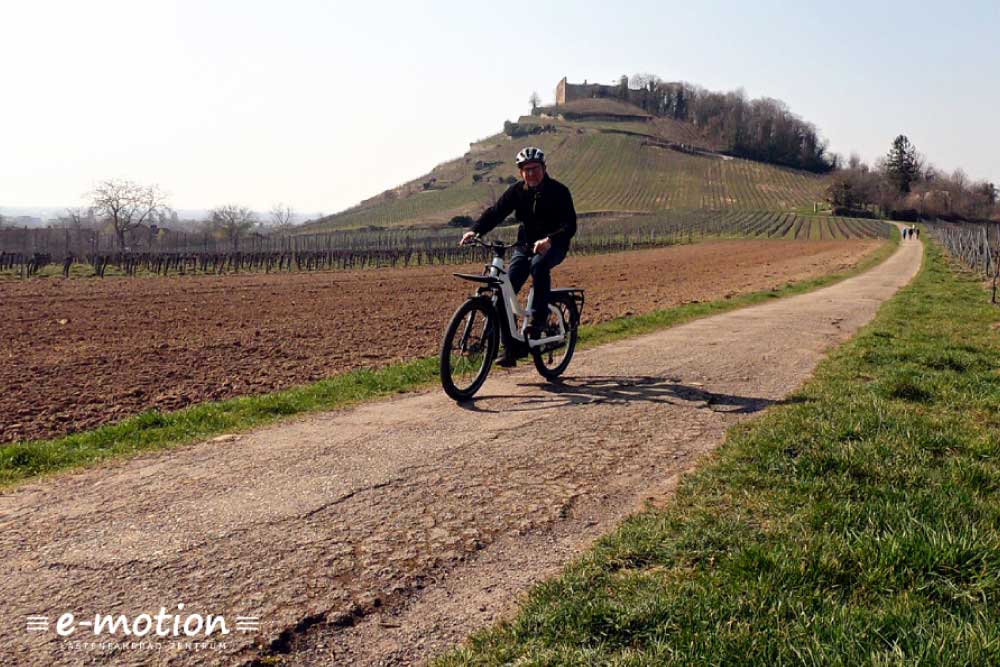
510, 308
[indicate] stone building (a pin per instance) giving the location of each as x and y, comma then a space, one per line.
568, 92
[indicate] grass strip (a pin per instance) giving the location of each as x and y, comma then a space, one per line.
856, 525
156, 430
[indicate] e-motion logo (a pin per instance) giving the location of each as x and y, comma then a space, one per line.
162, 624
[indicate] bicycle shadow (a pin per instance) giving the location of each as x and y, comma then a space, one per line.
590, 389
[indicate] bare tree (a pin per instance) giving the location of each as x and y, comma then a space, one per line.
645, 81
234, 221
78, 218
535, 100
125, 205
282, 216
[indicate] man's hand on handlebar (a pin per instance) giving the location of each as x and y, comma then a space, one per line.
468, 237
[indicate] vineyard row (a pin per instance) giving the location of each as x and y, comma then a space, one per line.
977, 245
369, 249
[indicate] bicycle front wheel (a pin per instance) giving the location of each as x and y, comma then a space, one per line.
468, 349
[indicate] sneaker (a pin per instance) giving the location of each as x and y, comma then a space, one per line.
506, 362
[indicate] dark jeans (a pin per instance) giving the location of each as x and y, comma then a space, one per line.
522, 263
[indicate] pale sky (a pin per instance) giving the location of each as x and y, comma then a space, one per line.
321, 104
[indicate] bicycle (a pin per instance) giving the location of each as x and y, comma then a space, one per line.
488, 318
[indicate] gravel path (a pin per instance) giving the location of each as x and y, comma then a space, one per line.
385, 533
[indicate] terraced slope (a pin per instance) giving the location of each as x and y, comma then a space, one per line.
610, 166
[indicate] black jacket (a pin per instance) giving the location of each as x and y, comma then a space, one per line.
543, 211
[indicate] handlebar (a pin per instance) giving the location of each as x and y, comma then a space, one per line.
496, 246
493, 245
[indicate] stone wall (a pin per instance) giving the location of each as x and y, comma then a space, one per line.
567, 92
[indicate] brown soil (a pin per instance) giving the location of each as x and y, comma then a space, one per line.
82, 353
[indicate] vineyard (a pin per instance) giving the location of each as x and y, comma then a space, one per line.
608, 166
975, 244
402, 247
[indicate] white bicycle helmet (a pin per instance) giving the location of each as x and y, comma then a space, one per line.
530, 154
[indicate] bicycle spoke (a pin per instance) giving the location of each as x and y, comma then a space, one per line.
553, 358
468, 353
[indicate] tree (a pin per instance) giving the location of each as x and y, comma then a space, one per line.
535, 100
78, 218
853, 188
644, 81
988, 191
902, 165
76, 221
125, 205
233, 221
282, 216
982, 200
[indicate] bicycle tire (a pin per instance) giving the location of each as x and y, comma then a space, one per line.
567, 308
487, 344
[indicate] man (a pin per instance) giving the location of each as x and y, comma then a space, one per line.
544, 207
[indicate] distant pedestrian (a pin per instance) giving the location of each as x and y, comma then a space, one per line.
917, 232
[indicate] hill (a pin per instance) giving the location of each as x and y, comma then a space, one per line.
613, 156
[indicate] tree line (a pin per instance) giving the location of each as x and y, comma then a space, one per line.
135, 214
904, 185
762, 129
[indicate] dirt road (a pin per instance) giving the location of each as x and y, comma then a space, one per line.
385, 533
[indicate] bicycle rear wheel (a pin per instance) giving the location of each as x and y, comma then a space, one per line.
468, 349
552, 360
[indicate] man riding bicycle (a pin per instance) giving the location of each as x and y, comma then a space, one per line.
544, 207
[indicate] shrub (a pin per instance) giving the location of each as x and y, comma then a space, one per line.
461, 221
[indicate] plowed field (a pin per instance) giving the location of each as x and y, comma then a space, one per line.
82, 353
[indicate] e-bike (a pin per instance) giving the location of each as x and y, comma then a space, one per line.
489, 319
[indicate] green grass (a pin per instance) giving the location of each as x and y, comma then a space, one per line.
80, 270
856, 525
76, 270
155, 430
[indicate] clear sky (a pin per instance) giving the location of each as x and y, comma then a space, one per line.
321, 104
